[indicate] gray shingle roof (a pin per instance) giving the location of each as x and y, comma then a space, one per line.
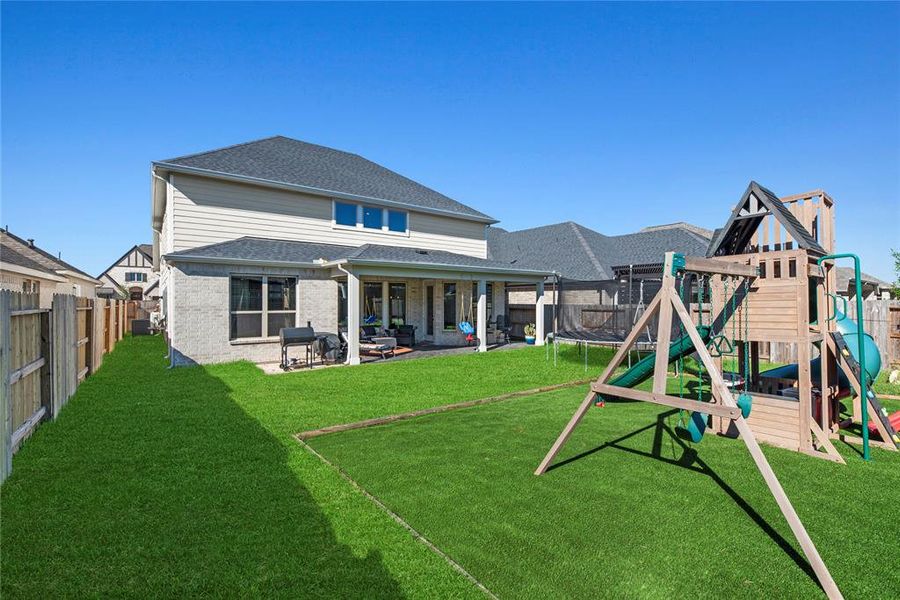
844, 276
267, 250
264, 250
393, 254
284, 160
576, 252
49, 262
9, 254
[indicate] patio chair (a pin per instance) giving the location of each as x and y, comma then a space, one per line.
502, 328
367, 332
406, 335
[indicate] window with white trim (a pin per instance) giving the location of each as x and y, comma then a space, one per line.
260, 305
345, 214
31, 286
370, 218
135, 277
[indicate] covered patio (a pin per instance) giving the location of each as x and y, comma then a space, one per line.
430, 291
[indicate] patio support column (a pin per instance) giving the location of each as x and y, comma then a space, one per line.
539, 313
481, 333
353, 302
385, 305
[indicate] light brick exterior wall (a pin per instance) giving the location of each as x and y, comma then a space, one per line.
199, 315
198, 311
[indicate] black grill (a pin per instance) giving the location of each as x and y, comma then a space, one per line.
296, 336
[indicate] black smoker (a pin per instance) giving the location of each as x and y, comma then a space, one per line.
297, 336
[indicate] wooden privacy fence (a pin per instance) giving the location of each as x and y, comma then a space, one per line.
45, 354
881, 320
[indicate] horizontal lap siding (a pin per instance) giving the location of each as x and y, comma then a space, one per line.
207, 212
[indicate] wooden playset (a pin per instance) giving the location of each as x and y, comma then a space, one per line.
768, 277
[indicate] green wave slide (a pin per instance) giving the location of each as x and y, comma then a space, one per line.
683, 347
643, 369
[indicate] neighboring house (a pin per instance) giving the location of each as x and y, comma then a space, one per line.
132, 276
592, 268
24, 267
872, 287
279, 232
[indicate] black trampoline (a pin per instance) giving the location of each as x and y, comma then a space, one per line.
603, 313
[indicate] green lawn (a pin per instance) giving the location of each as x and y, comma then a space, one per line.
884, 386
171, 482
633, 513
158, 482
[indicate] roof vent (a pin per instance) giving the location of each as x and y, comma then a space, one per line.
421, 251
31, 242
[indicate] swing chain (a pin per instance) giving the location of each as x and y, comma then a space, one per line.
700, 296
682, 414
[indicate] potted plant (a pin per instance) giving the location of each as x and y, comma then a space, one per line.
529, 333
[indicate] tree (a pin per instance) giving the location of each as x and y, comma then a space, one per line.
895, 292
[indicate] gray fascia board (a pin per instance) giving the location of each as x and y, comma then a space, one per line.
318, 191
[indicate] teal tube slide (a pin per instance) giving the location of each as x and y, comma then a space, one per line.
847, 328
643, 369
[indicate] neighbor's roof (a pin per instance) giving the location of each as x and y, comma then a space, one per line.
47, 261
145, 249
283, 160
11, 256
845, 276
577, 252
286, 253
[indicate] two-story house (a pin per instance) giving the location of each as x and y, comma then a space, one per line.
132, 276
278, 232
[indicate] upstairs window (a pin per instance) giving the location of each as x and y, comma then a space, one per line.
132, 277
345, 214
361, 216
396, 220
372, 217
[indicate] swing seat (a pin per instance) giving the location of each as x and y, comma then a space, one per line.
745, 403
696, 426
466, 328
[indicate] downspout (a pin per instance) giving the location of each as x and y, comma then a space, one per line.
158, 233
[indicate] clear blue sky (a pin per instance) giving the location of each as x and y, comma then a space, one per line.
616, 116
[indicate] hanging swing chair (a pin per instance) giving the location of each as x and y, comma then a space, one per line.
466, 328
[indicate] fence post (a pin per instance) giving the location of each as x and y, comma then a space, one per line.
110, 325
5, 388
65, 354
88, 333
46, 377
